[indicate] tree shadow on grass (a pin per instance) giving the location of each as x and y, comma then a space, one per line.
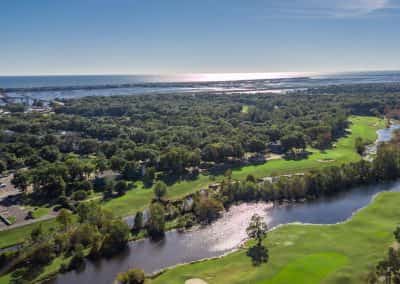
258, 254
26, 274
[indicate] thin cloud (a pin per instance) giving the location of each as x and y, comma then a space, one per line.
333, 8
360, 7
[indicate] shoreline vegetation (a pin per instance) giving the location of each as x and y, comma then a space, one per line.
343, 152
138, 198
291, 258
56, 264
174, 163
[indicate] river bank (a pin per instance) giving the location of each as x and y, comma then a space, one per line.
321, 211
224, 235
307, 254
208, 252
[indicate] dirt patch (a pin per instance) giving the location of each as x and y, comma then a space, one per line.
195, 281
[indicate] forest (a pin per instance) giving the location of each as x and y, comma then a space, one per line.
99, 148
166, 137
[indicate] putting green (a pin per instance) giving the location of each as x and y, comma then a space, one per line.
310, 269
341, 253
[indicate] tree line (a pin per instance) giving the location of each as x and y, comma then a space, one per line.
316, 183
95, 233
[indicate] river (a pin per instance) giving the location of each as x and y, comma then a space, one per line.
384, 135
227, 233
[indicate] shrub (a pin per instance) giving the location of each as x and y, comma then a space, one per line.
121, 187
78, 260
138, 222
208, 209
160, 190
186, 221
156, 223
132, 276
79, 195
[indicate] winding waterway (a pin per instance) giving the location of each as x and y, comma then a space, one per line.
227, 233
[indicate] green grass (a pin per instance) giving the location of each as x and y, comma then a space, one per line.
245, 109
139, 197
38, 212
47, 272
12, 219
6, 279
342, 253
312, 268
41, 212
344, 152
18, 235
294, 249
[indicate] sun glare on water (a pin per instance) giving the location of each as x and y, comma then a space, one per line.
209, 77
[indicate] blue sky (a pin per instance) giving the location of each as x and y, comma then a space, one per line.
194, 36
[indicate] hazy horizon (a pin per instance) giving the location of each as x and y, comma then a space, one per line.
268, 75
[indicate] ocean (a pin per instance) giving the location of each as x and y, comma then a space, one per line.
51, 87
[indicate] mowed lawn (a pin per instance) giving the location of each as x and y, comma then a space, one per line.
344, 152
139, 197
342, 253
20, 234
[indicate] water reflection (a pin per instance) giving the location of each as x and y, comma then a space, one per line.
228, 232
224, 235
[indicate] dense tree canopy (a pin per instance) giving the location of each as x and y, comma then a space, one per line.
143, 137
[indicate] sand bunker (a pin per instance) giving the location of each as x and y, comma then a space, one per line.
326, 161
270, 157
195, 281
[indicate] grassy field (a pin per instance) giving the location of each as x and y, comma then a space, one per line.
18, 235
39, 212
47, 272
139, 197
344, 152
342, 253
